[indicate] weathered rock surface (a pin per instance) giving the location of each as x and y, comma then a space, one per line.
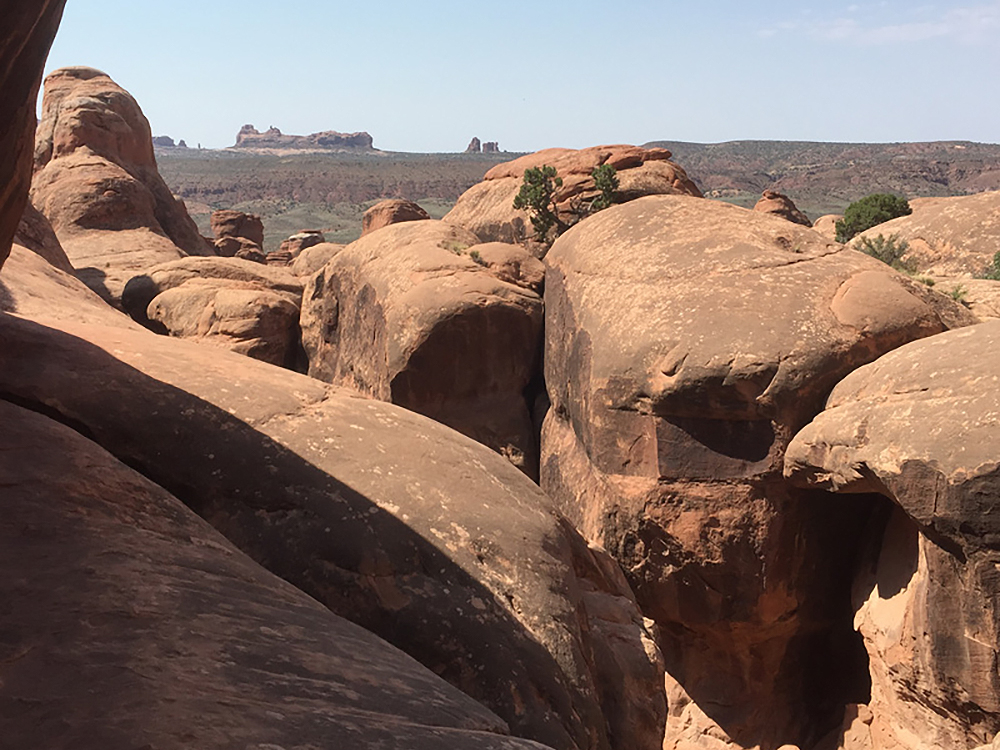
919, 426
487, 209
28, 32
229, 223
312, 259
475, 146
130, 622
36, 234
510, 263
393, 211
96, 181
246, 307
949, 236
405, 315
980, 296
404, 526
686, 342
773, 202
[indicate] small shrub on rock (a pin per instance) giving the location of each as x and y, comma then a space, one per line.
992, 271
537, 197
870, 211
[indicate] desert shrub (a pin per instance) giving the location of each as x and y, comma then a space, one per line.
477, 258
890, 250
992, 271
869, 212
536, 197
958, 293
606, 181
537, 192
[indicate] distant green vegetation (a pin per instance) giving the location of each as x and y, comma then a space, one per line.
869, 212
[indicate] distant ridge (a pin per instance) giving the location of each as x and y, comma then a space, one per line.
251, 138
825, 177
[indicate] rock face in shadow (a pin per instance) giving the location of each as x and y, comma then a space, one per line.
243, 306
398, 523
407, 315
686, 342
918, 426
130, 622
97, 183
948, 236
29, 29
35, 233
487, 209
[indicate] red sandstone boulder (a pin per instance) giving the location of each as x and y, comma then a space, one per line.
312, 259
686, 342
827, 226
96, 181
127, 616
406, 315
28, 32
227, 223
243, 306
300, 241
388, 212
773, 202
918, 426
487, 209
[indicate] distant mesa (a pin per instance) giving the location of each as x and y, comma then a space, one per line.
165, 141
476, 147
251, 138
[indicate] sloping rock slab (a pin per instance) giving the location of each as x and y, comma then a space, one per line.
129, 622
400, 524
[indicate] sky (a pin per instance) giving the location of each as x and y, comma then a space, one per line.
428, 76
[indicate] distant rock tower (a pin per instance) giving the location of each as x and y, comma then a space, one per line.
491, 147
475, 146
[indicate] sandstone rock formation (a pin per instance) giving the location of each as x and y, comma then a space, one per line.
163, 141
404, 315
918, 427
827, 225
475, 146
130, 622
393, 211
36, 234
686, 342
312, 259
246, 307
773, 202
487, 209
28, 32
948, 236
251, 138
97, 183
382, 515
228, 223
491, 147
301, 240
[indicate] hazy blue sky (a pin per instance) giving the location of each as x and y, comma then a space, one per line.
429, 75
